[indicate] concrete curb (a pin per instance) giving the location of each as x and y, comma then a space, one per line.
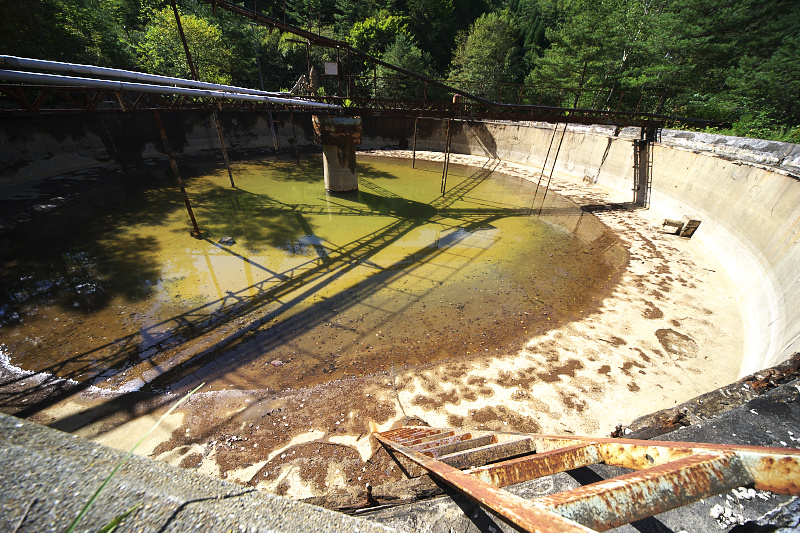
46, 476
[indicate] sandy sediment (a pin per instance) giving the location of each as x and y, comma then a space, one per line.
670, 330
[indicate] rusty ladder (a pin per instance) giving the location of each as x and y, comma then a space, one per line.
666, 475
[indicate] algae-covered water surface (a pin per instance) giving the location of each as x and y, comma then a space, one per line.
311, 286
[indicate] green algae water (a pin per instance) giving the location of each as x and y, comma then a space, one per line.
291, 286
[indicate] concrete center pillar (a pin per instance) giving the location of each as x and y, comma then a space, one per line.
338, 137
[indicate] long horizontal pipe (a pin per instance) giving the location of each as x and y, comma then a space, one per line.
54, 79
75, 68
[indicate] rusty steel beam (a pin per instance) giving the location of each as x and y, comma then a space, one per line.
406, 434
630, 497
419, 439
537, 465
518, 511
773, 469
196, 231
489, 454
461, 446
425, 447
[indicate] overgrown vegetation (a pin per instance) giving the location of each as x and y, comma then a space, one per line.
733, 60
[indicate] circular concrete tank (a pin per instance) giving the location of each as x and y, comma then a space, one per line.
583, 378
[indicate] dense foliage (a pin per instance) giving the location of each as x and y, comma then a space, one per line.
735, 60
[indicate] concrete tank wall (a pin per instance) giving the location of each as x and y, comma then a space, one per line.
38, 146
750, 212
746, 192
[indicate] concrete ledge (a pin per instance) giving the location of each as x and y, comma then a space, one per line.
46, 477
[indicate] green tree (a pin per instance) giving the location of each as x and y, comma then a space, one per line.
347, 13
161, 51
490, 54
603, 47
432, 25
405, 54
80, 31
374, 34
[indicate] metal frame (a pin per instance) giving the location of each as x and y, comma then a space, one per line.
666, 475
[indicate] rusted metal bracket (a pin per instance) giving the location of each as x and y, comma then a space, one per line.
666, 475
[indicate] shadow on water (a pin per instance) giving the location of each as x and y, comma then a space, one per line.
256, 218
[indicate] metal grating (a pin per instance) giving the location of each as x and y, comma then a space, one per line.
666, 475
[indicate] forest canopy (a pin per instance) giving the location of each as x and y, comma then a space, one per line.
733, 60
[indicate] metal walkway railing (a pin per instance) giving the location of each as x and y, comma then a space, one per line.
666, 475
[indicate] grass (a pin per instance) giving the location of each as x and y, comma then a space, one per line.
111, 526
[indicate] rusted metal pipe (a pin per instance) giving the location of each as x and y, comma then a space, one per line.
119, 74
38, 78
197, 233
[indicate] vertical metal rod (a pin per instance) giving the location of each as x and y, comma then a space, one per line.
555, 159
216, 118
258, 48
222, 144
349, 73
308, 62
446, 157
544, 167
338, 77
272, 128
414, 152
174, 164
183, 39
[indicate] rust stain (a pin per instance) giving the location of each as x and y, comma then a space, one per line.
336, 131
537, 465
630, 497
440, 442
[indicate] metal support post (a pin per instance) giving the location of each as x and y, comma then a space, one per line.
544, 167
446, 157
272, 129
183, 40
196, 78
222, 144
197, 232
553, 168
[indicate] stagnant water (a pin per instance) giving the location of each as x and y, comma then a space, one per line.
315, 287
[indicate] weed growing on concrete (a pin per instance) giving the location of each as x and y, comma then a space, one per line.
111, 526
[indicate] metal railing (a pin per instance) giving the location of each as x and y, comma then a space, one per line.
666, 475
